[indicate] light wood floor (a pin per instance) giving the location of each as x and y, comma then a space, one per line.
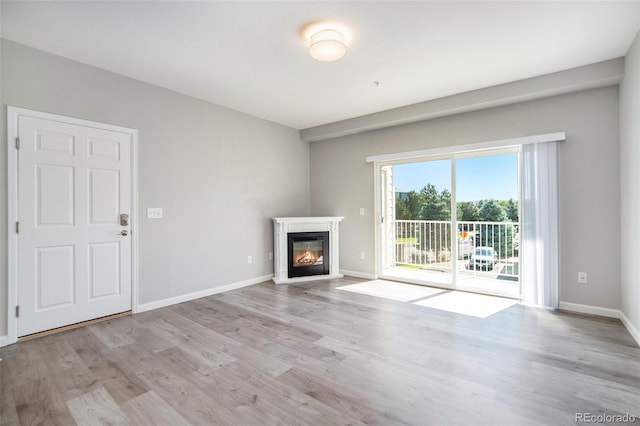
310, 354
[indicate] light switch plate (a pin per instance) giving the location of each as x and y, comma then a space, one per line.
154, 212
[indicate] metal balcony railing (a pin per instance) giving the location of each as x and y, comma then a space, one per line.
427, 244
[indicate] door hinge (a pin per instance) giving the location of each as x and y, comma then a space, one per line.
17, 143
17, 311
17, 227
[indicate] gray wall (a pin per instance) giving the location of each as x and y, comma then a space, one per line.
341, 181
630, 184
219, 174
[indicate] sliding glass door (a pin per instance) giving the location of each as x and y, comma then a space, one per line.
423, 221
453, 222
488, 223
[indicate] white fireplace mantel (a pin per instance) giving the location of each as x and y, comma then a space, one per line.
284, 225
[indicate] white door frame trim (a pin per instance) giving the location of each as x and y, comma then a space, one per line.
13, 114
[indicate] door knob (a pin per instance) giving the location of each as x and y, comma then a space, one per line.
124, 233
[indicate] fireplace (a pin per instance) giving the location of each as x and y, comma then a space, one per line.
305, 249
308, 253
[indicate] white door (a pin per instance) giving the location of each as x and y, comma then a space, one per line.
74, 254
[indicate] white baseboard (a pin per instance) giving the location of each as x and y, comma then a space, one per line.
358, 274
604, 312
630, 327
4, 340
588, 309
198, 294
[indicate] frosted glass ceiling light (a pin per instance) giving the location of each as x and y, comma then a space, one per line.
327, 45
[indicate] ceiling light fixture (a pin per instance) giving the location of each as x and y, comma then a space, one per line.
327, 45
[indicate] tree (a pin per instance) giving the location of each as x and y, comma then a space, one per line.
512, 210
467, 211
414, 203
494, 235
402, 212
435, 206
408, 209
492, 211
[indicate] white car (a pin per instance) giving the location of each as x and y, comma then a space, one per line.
483, 258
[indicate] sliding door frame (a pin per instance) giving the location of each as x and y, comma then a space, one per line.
452, 157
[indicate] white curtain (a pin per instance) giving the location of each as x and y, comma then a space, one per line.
539, 235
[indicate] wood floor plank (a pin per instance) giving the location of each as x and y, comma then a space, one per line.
182, 394
150, 409
205, 330
8, 413
67, 371
359, 405
207, 357
305, 408
344, 331
97, 408
39, 402
244, 402
24, 362
285, 347
110, 335
121, 383
311, 354
230, 314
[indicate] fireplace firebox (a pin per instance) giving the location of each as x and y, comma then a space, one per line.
308, 253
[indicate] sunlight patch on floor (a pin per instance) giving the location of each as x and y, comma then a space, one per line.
477, 305
472, 304
392, 290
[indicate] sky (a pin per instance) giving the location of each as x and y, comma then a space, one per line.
477, 178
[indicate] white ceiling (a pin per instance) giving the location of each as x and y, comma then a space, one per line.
250, 56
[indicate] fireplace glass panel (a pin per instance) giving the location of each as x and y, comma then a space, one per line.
308, 253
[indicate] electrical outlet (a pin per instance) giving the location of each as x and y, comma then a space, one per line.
249, 259
270, 255
362, 256
361, 211
582, 278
